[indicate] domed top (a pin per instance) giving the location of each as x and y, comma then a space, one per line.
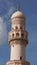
17, 14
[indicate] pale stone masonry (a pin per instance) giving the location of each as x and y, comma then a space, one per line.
18, 39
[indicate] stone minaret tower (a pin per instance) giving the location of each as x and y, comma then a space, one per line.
18, 39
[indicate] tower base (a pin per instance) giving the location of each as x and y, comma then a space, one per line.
17, 62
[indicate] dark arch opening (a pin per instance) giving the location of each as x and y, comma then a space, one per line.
12, 35
20, 27
22, 35
16, 27
20, 57
17, 34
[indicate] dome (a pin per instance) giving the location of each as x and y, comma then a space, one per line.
17, 14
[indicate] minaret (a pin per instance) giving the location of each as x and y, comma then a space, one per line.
18, 39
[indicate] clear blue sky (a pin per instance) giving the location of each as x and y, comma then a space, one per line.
29, 8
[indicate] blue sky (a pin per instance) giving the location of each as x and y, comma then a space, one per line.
29, 8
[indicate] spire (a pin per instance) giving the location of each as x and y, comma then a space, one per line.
18, 8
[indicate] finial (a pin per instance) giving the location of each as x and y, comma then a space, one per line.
18, 8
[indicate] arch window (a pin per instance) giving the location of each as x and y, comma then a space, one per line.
17, 34
22, 35
20, 57
20, 27
16, 27
12, 35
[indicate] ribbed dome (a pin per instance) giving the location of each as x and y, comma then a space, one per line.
17, 14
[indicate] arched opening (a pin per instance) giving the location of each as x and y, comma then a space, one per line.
22, 35
16, 27
17, 34
20, 27
20, 57
12, 35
